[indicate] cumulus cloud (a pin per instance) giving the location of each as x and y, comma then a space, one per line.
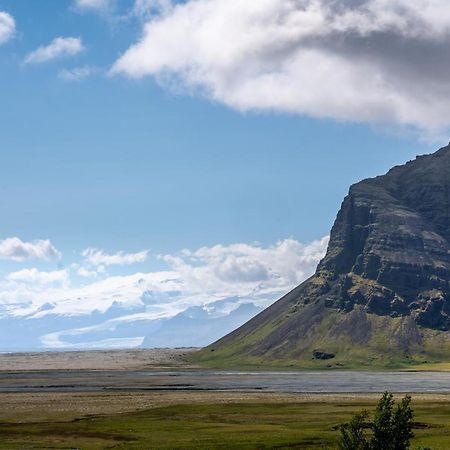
59, 47
248, 273
376, 61
15, 249
7, 27
97, 257
236, 268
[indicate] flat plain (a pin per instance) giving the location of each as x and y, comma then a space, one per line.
178, 418
145, 359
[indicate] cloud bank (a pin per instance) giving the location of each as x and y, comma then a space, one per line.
7, 27
58, 48
375, 61
208, 291
253, 272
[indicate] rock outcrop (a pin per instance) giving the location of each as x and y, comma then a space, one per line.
389, 247
382, 288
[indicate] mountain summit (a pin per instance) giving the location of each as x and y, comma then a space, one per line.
381, 295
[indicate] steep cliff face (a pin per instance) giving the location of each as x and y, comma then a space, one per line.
382, 289
389, 247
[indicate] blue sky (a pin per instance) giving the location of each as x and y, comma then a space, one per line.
122, 158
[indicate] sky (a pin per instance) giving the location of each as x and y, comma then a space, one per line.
188, 152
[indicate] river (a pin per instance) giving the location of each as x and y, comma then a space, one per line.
282, 382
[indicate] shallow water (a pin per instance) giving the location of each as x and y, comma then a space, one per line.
286, 382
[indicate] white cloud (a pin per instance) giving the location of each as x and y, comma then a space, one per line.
59, 47
97, 257
86, 273
76, 73
251, 273
15, 249
98, 295
37, 278
99, 5
7, 27
146, 8
236, 268
378, 61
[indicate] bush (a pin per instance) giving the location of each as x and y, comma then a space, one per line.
353, 433
391, 428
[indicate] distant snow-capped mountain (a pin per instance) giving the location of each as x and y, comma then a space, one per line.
124, 327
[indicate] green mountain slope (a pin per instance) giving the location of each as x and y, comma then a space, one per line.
379, 298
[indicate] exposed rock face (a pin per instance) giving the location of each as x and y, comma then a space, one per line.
385, 277
389, 247
322, 355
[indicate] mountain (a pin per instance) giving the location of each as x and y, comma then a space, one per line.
197, 326
125, 326
381, 295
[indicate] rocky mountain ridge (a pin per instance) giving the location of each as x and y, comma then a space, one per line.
389, 247
382, 288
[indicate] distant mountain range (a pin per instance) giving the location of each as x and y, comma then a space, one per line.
121, 327
381, 295
198, 326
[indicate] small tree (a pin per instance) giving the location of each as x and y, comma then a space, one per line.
382, 423
391, 428
402, 425
353, 433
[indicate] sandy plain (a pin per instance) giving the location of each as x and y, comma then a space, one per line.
142, 359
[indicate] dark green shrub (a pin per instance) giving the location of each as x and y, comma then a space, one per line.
391, 428
353, 433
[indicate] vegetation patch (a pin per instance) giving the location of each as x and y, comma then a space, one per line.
245, 425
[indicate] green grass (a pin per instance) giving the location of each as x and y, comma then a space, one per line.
290, 331
378, 353
309, 425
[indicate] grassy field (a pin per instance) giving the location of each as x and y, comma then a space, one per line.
305, 424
